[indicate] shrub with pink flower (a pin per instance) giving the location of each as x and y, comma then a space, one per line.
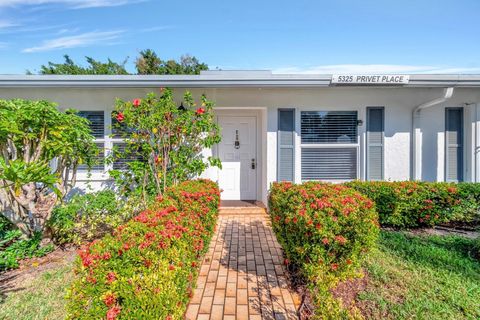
147, 268
325, 230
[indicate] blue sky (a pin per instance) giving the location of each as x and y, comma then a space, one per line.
422, 36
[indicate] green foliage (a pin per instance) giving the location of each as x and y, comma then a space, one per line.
325, 231
18, 249
421, 277
167, 141
33, 136
410, 204
148, 62
89, 216
148, 267
93, 67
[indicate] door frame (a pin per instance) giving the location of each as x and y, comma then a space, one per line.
259, 150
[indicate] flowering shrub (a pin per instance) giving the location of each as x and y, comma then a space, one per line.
166, 140
147, 268
325, 230
409, 204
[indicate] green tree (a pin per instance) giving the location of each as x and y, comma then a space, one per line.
148, 62
93, 67
166, 140
40, 150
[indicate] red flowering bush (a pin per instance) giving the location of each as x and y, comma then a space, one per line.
147, 268
325, 230
409, 204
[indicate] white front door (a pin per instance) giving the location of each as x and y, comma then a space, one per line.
238, 153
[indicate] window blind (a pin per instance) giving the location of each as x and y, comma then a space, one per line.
97, 122
319, 127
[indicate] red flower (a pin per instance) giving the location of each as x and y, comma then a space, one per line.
325, 241
171, 267
334, 266
111, 276
136, 102
200, 111
286, 261
113, 312
349, 261
109, 300
120, 117
340, 239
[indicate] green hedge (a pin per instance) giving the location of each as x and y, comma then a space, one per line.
325, 230
147, 268
410, 204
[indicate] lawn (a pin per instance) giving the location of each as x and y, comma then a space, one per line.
35, 295
421, 277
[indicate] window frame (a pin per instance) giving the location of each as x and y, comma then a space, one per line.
301, 145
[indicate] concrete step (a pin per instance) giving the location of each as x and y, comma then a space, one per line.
242, 211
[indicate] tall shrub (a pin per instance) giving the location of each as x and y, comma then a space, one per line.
147, 268
40, 150
325, 230
167, 141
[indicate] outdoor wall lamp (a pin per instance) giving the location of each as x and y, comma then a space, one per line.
359, 123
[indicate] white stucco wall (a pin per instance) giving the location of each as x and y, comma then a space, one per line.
398, 102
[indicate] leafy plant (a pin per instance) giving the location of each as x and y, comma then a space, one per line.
21, 249
89, 216
326, 230
146, 269
166, 140
40, 150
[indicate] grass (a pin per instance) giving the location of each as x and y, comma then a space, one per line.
422, 277
39, 296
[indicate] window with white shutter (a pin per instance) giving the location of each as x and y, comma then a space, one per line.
97, 126
375, 138
454, 144
329, 145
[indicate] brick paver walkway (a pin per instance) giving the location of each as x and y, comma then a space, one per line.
242, 275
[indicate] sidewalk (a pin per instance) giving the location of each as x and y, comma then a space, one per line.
243, 276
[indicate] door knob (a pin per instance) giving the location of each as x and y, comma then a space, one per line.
254, 163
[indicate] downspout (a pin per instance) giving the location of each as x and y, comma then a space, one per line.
416, 134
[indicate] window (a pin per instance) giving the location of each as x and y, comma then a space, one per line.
454, 144
375, 137
329, 149
286, 146
121, 162
97, 122
97, 125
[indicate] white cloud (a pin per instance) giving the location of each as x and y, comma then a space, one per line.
77, 4
7, 24
376, 68
80, 40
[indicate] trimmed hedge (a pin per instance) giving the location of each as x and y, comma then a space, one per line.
325, 230
410, 204
147, 268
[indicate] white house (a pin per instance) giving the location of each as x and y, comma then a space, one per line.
299, 127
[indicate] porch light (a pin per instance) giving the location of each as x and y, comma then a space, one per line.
359, 123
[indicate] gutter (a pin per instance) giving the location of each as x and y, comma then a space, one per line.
416, 134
